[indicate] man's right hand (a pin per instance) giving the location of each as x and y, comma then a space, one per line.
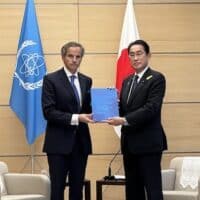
86, 118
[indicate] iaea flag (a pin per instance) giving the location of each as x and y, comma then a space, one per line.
25, 99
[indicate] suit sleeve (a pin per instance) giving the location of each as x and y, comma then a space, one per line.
151, 108
50, 111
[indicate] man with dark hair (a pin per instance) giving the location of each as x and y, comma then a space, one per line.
143, 139
66, 106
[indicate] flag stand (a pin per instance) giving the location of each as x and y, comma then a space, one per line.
31, 159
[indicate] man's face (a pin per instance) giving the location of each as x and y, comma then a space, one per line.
138, 57
72, 59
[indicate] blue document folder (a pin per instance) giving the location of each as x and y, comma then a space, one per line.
104, 103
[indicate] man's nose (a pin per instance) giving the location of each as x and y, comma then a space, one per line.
74, 58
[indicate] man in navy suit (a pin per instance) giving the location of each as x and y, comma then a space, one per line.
143, 139
66, 106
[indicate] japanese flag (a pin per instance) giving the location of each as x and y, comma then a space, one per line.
128, 35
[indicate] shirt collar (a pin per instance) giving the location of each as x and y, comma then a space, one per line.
141, 73
68, 73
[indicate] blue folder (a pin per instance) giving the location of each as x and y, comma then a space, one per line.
104, 103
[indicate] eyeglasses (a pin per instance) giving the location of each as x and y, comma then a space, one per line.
138, 54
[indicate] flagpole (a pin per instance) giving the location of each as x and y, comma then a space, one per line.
31, 159
32, 148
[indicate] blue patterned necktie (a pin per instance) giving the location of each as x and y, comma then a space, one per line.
72, 78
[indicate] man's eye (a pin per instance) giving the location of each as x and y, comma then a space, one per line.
72, 57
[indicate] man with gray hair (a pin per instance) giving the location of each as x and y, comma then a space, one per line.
66, 106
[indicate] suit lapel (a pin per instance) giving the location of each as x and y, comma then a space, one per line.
66, 84
140, 85
68, 88
125, 90
128, 85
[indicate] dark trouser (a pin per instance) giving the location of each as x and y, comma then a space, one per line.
73, 166
143, 175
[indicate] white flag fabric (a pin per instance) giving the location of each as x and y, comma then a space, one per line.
129, 34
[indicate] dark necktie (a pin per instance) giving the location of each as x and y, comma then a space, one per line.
132, 86
72, 77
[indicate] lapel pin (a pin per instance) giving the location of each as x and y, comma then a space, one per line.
149, 77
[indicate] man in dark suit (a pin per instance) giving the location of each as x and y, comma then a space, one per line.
143, 139
66, 107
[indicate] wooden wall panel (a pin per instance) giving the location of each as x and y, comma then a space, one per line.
137, 1
104, 138
182, 75
166, 33
169, 27
57, 23
100, 1
181, 122
102, 69
11, 19
100, 32
12, 135
56, 2
18, 164
6, 71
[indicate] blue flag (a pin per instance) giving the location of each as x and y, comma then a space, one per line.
25, 99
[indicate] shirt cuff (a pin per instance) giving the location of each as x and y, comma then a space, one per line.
125, 123
74, 120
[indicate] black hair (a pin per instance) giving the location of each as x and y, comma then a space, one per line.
140, 42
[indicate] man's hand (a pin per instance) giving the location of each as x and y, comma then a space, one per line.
86, 118
115, 121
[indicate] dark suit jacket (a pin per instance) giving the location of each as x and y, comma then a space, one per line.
59, 103
144, 134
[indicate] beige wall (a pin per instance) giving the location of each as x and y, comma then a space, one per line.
170, 26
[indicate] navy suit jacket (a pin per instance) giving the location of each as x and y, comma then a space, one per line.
145, 133
59, 103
